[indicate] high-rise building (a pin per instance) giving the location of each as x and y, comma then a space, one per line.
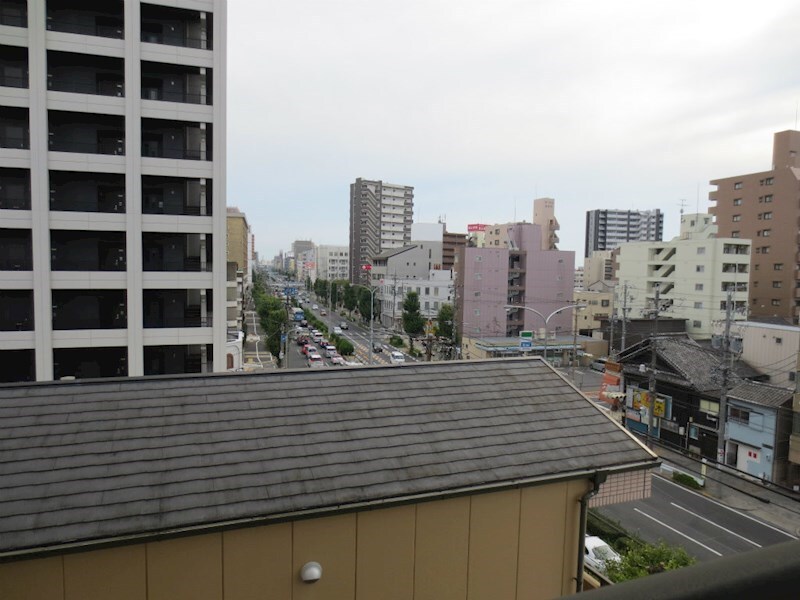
380, 219
112, 188
694, 273
333, 262
763, 207
607, 229
544, 215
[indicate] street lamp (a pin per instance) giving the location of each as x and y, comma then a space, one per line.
546, 319
371, 315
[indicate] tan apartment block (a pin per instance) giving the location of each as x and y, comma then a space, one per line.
765, 207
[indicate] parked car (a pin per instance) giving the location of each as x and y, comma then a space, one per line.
344, 325
314, 307
337, 330
396, 357
597, 554
599, 364
323, 312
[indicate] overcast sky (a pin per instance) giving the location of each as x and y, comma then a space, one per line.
483, 106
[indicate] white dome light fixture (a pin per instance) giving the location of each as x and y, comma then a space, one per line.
311, 572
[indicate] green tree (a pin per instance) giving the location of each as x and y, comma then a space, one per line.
645, 559
308, 282
365, 295
444, 321
413, 323
350, 298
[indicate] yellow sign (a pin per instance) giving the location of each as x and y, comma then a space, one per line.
642, 398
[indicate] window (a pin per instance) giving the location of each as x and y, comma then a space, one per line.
697, 324
769, 181
778, 340
701, 250
737, 201
768, 198
700, 268
698, 305
478, 258
477, 312
737, 218
698, 287
605, 303
734, 234
764, 249
477, 294
778, 267
766, 233
737, 185
767, 216
478, 275
775, 302
777, 284
739, 414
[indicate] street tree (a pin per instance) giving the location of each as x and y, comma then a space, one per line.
413, 323
444, 321
350, 298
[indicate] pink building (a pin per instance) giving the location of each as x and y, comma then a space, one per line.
513, 269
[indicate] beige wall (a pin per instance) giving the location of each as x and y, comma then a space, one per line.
514, 544
238, 238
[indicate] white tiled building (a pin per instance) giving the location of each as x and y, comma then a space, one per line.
333, 262
112, 188
693, 271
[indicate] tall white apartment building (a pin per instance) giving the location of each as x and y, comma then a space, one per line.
693, 273
112, 188
607, 229
333, 262
380, 219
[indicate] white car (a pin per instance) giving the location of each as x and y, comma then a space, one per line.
336, 359
396, 357
315, 361
337, 330
330, 351
314, 307
597, 554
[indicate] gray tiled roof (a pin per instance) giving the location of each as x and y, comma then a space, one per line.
698, 366
761, 393
86, 461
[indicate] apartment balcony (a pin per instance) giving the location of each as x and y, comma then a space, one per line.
14, 129
736, 249
177, 27
14, 13
15, 189
730, 286
176, 139
13, 67
177, 308
85, 74
89, 309
87, 250
176, 83
86, 133
16, 250
167, 360
735, 268
176, 196
17, 365
16, 310
87, 363
190, 252
87, 17
87, 192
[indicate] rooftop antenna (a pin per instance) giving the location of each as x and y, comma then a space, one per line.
682, 204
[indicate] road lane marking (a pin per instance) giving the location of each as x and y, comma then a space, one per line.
733, 510
710, 522
691, 539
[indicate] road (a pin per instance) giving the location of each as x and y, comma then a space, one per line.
705, 528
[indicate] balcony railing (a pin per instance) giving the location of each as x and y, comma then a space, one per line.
153, 93
20, 142
13, 81
100, 88
114, 147
171, 39
15, 264
150, 150
112, 28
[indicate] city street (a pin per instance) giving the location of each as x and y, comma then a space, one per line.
705, 528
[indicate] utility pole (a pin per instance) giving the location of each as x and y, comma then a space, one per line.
625, 310
652, 375
574, 340
723, 395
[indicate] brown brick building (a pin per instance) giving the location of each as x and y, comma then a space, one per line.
765, 207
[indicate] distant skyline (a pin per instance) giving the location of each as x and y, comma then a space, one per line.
597, 105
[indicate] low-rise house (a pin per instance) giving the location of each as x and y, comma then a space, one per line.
757, 432
688, 384
417, 481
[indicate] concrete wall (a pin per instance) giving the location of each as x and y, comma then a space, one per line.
513, 544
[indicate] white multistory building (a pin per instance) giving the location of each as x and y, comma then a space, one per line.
333, 262
693, 272
608, 228
112, 188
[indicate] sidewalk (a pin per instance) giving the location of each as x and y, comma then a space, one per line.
256, 356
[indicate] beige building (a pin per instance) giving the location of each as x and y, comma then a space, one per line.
544, 215
597, 306
599, 267
239, 243
243, 491
763, 207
